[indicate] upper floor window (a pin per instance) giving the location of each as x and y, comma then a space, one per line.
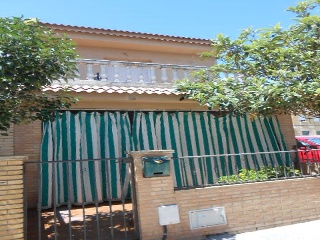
302, 119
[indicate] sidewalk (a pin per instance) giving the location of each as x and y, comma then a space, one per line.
300, 231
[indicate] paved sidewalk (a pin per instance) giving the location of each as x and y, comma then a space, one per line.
301, 231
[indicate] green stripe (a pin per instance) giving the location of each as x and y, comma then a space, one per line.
163, 136
125, 132
212, 130
237, 159
122, 147
197, 131
249, 138
258, 142
113, 172
103, 153
57, 157
244, 133
189, 147
150, 127
135, 131
65, 156
46, 126
220, 161
273, 141
73, 155
205, 133
228, 141
171, 118
90, 154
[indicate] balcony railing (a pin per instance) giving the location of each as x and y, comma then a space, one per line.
132, 72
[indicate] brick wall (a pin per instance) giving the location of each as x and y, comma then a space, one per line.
22, 140
286, 125
27, 142
248, 206
11, 197
6, 143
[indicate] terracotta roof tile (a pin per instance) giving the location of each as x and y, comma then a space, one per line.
111, 89
119, 33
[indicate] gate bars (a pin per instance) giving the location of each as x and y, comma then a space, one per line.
95, 217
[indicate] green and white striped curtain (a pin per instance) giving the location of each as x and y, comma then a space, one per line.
84, 135
197, 134
94, 135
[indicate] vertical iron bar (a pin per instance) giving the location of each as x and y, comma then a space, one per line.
180, 160
108, 174
254, 156
215, 170
309, 167
284, 163
276, 168
292, 165
237, 170
317, 160
193, 171
255, 165
205, 171
120, 162
299, 161
134, 198
69, 200
96, 201
227, 167
83, 199
54, 192
39, 199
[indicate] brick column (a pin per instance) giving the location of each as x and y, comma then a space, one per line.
150, 194
11, 198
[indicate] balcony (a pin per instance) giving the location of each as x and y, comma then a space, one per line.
121, 73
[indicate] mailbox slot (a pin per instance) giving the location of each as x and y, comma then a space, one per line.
155, 166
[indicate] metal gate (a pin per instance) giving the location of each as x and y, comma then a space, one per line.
71, 214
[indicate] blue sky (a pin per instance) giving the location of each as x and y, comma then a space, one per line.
189, 18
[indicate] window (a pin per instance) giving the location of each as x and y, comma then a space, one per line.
305, 133
316, 119
302, 119
317, 132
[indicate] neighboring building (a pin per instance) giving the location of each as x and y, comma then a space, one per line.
304, 126
127, 101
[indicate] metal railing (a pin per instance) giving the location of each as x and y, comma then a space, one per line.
211, 170
81, 199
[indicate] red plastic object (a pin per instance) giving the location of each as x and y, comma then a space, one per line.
308, 148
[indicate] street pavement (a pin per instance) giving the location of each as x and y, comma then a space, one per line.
300, 231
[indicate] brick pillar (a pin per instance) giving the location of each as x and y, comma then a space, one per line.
150, 194
11, 198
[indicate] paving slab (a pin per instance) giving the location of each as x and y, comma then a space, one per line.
300, 231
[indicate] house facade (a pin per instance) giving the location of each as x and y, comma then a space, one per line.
127, 78
305, 126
